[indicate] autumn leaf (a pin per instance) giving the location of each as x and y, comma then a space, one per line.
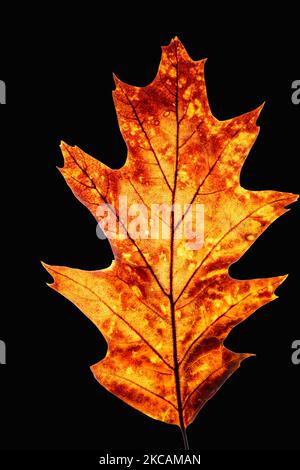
165, 305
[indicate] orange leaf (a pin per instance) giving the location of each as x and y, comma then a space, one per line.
166, 304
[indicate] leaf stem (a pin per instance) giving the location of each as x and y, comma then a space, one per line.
185, 438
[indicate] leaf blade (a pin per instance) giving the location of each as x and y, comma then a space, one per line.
163, 308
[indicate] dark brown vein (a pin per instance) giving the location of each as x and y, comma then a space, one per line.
215, 192
190, 136
171, 274
158, 371
166, 87
196, 296
148, 139
140, 300
216, 320
143, 388
145, 204
205, 178
205, 380
80, 182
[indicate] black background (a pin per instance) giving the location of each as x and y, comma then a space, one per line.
59, 83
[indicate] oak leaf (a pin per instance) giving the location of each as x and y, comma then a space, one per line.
164, 308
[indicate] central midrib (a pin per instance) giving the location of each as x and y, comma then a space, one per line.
172, 306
